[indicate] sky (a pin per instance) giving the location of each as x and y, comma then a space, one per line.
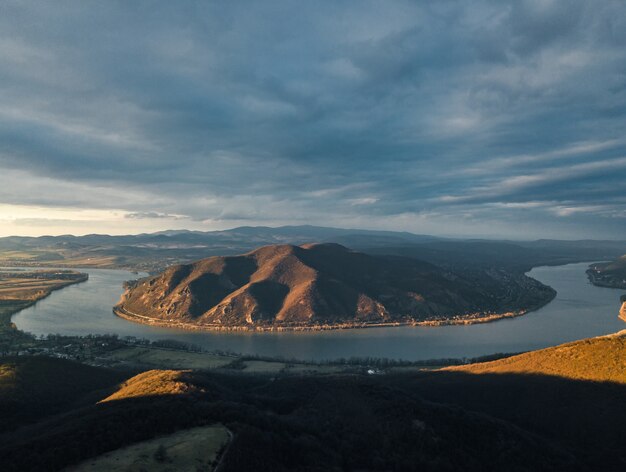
455, 118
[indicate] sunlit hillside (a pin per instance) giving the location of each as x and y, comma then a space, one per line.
601, 359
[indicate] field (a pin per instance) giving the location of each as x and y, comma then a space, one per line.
191, 450
164, 358
19, 290
141, 358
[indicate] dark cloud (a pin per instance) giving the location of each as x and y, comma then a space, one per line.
428, 116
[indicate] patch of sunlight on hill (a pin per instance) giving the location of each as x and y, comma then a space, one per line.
153, 383
601, 359
7, 378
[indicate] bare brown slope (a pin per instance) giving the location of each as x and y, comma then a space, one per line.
314, 285
601, 359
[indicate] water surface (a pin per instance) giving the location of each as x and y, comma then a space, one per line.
579, 310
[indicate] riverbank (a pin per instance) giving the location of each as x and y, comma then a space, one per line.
601, 277
20, 290
580, 310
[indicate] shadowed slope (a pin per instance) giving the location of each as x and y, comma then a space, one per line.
316, 285
33, 387
293, 423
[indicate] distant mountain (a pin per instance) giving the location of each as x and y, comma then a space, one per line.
320, 285
246, 235
153, 252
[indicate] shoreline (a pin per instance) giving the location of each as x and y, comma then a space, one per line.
121, 312
7, 318
593, 275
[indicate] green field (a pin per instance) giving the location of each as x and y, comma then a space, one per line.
191, 450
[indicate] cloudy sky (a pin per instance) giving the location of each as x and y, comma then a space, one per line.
482, 118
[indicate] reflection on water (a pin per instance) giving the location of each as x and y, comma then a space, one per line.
579, 310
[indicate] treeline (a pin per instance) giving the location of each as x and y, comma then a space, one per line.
375, 362
379, 362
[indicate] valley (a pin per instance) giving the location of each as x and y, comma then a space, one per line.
97, 401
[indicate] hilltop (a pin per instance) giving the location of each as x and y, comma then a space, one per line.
321, 286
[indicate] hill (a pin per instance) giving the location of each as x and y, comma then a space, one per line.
191, 450
34, 387
290, 423
573, 394
322, 286
609, 274
557, 409
599, 359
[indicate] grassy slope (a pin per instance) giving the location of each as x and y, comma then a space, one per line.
195, 449
167, 358
600, 359
153, 383
573, 394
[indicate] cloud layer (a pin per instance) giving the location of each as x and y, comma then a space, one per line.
483, 118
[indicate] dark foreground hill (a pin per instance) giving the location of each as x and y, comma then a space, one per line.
431, 421
295, 423
558, 409
34, 387
319, 286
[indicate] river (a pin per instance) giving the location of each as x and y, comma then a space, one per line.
580, 310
